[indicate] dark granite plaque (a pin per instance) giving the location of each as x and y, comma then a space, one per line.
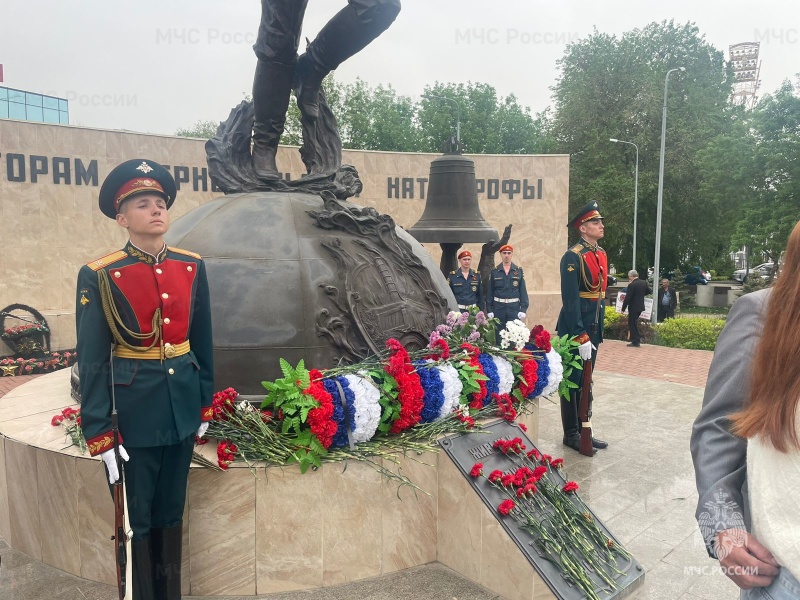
467, 449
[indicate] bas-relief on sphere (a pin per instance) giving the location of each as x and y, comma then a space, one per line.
299, 276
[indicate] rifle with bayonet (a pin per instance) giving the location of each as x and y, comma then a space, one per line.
585, 408
120, 536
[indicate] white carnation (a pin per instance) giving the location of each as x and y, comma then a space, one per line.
367, 407
556, 373
506, 374
452, 387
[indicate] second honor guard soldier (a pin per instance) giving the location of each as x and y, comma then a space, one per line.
508, 297
584, 277
151, 304
466, 283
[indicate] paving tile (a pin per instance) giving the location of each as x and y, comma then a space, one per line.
665, 582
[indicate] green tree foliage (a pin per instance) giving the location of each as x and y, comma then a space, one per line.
751, 174
378, 118
201, 129
612, 87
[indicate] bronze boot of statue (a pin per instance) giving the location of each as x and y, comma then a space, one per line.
272, 87
348, 32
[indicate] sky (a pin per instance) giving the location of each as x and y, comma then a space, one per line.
155, 67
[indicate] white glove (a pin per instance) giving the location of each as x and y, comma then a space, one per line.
201, 431
490, 315
111, 462
521, 316
585, 350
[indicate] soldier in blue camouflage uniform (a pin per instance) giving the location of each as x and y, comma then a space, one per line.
508, 296
466, 283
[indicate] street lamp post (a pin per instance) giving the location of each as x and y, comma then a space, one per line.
657, 265
458, 113
635, 195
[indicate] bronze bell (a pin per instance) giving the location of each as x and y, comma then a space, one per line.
452, 214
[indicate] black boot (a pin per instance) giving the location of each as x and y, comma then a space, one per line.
569, 421
167, 547
272, 88
348, 32
142, 570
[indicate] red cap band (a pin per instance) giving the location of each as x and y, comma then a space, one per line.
507, 248
588, 217
139, 184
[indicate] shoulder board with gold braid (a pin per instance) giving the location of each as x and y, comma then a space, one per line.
186, 252
577, 248
108, 259
600, 249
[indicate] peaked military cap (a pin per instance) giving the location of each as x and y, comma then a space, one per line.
587, 213
135, 177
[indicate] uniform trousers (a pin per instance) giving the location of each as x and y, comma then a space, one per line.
155, 484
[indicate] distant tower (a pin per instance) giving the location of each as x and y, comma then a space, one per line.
746, 70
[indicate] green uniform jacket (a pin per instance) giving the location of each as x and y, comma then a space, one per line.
580, 270
159, 402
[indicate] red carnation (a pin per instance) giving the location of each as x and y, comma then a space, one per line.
200, 441
506, 506
441, 350
226, 453
507, 480
542, 341
557, 463
477, 470
535, 331
570, 487
538, 472
56, 420
495, 476
546, 458
411, 392
534, 454
467, 420
222, 403
523, 427
528, 377
78, 420
320, 419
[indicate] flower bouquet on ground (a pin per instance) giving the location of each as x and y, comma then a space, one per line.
546, 506
52, 361
70, 420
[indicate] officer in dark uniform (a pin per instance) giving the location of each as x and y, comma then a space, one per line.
508, 297
584, 276
150, 304
466, 283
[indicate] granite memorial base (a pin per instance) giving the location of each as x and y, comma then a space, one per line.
253, 532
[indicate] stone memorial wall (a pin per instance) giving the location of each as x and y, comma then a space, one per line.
50, 176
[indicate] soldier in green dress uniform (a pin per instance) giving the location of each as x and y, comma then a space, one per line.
584, 277
150, 304
466, 283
